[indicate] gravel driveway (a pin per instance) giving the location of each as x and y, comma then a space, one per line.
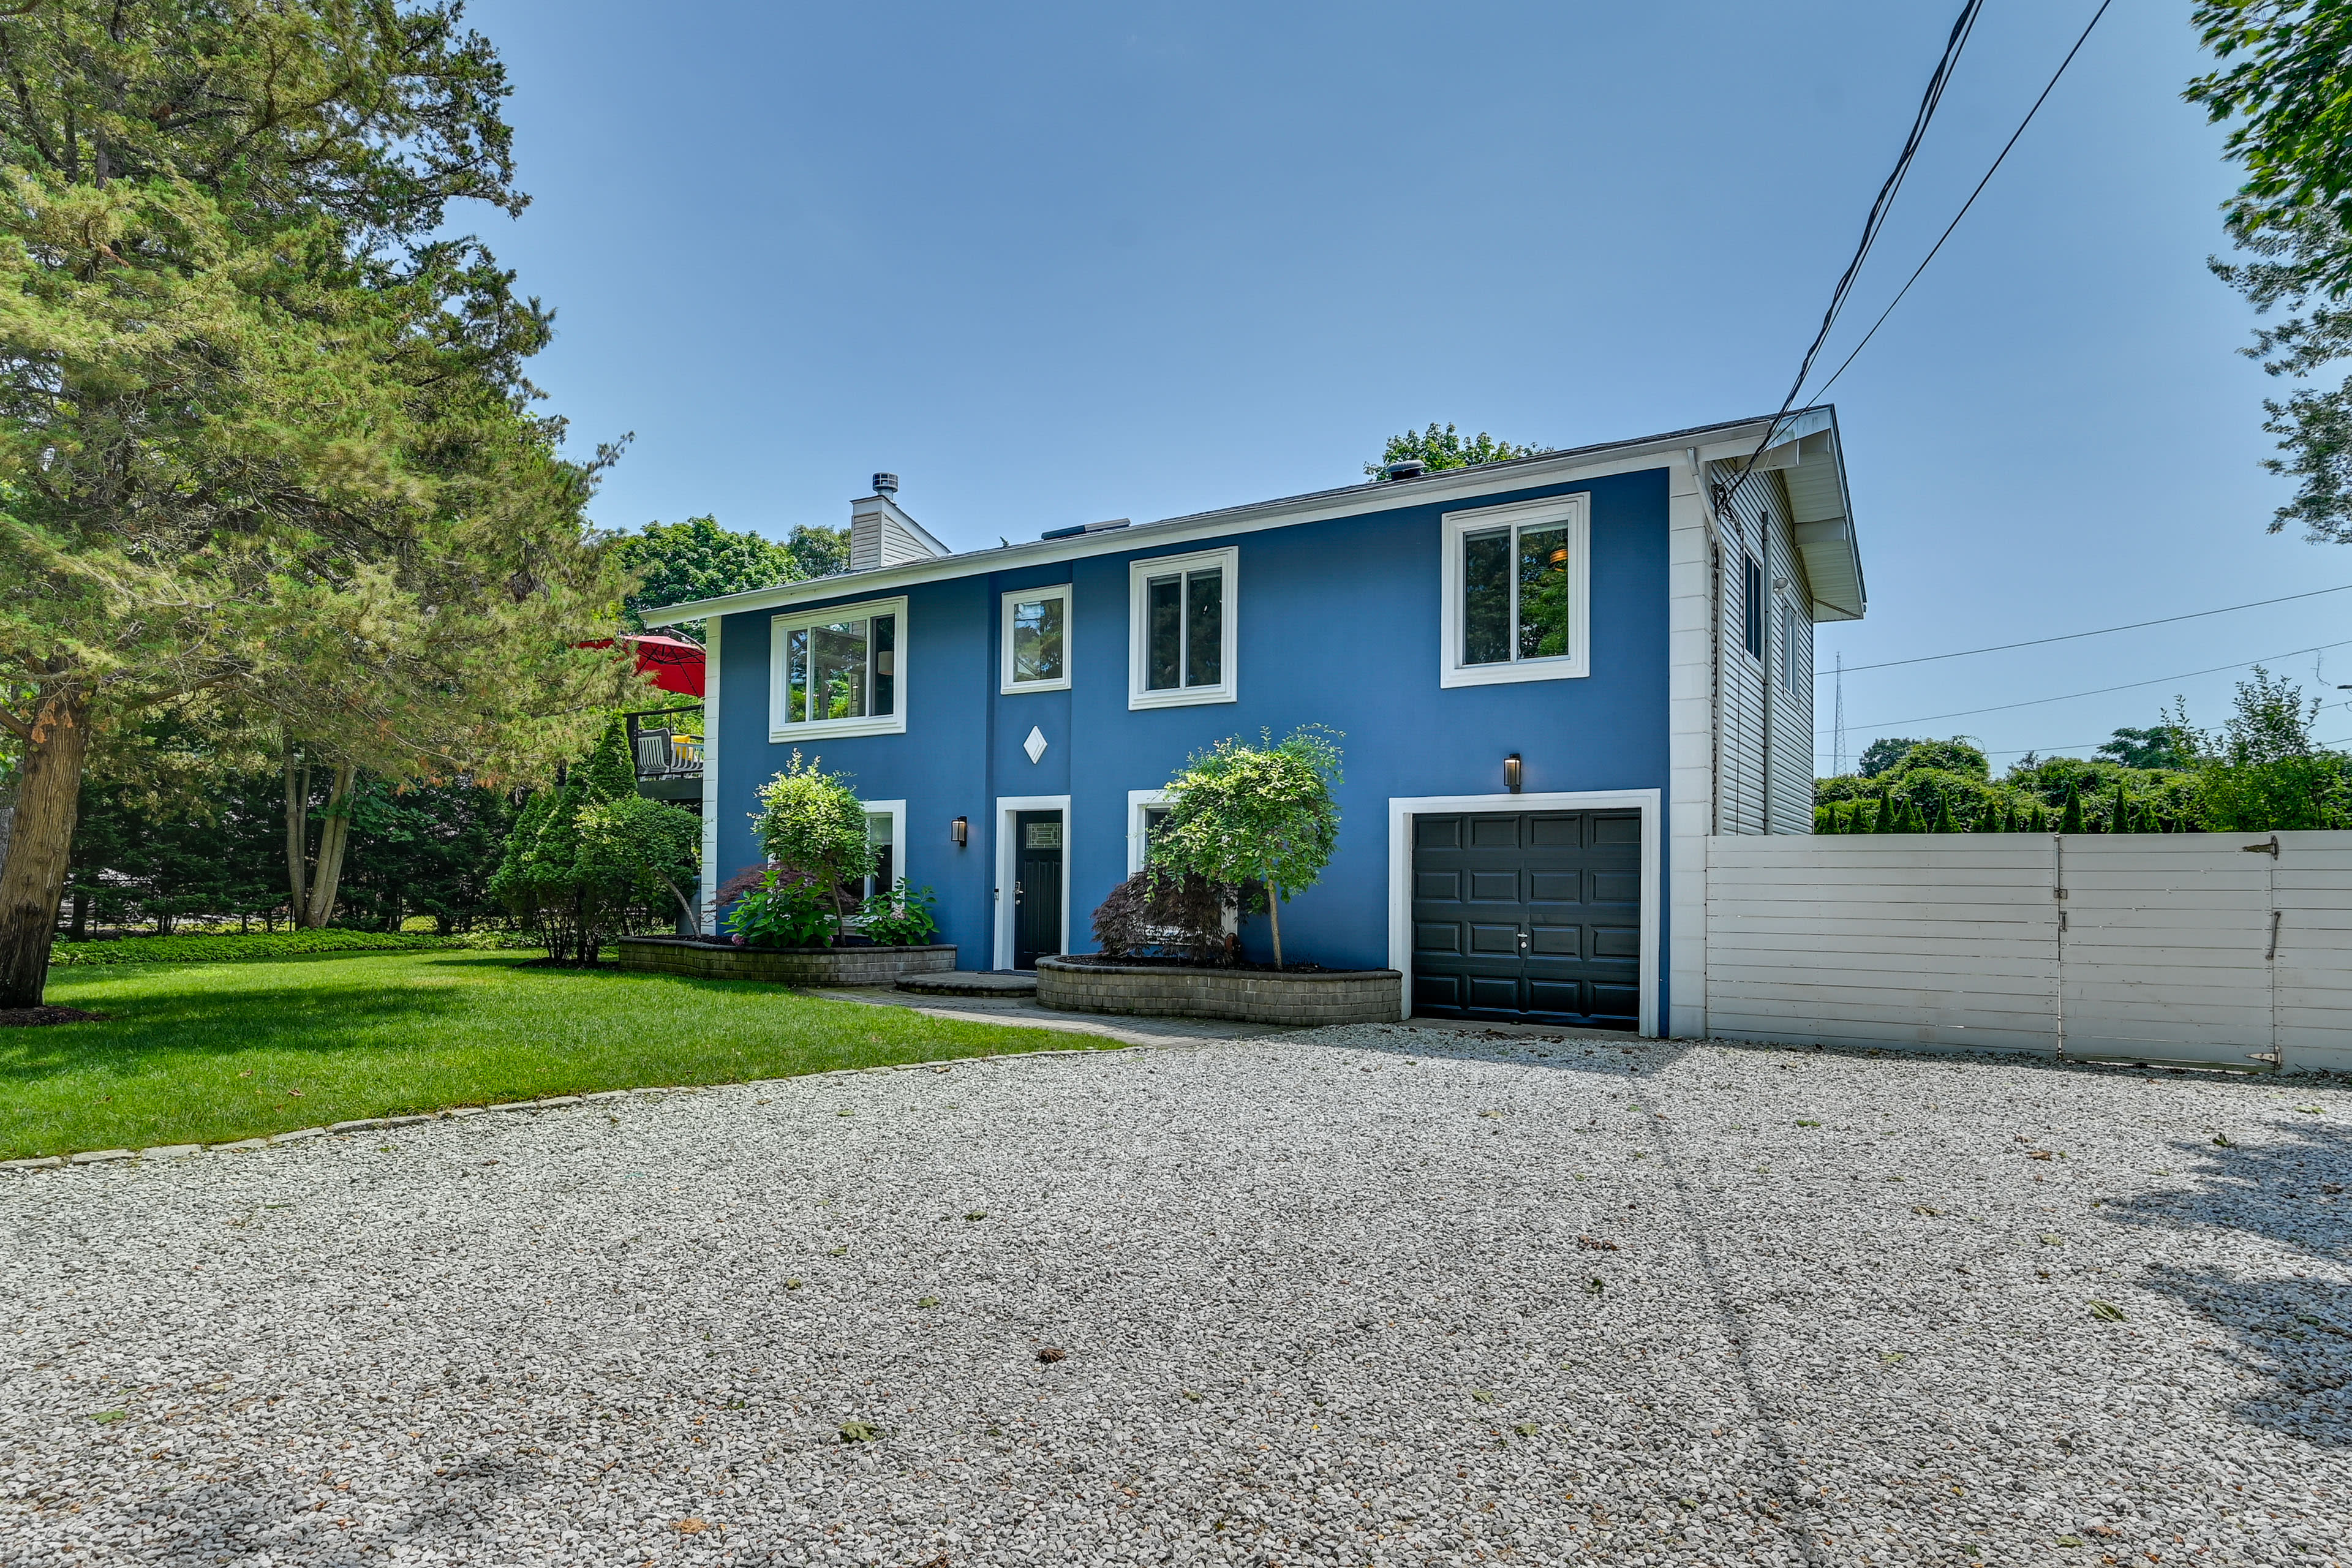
1360, 1296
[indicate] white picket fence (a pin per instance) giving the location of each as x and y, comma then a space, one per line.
2217, 948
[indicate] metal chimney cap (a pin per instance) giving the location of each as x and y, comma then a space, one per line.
885, 484
1404, 468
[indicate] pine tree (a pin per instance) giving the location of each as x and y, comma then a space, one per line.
2071, 819
1885, 823
1943, 822
2123, 811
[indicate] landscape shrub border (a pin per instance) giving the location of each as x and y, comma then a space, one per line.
228, 946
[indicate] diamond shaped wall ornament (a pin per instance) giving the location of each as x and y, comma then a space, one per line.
1035, 744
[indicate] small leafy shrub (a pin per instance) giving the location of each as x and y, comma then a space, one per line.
813, 822
901, 917
1157, 912
782, 907
1264, 813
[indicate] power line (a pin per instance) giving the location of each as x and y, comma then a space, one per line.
2103, 631
2128, 686
1965, 205
1964, 25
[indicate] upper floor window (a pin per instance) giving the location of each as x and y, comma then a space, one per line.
1182, 629
1788, 647
1752, 605
1517, 586
1036, 638
840, 671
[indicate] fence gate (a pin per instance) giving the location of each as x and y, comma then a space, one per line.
2223, 949
2166, 945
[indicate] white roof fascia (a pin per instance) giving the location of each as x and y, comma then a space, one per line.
1793, 427
1448, 485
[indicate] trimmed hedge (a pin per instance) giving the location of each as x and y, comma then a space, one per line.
215, 948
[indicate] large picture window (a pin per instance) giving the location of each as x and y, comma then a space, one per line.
1036, 639
1516, 586
840, 671
1182, 628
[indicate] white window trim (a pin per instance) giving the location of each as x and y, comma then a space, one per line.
896, 810
1576, 663
1008, 810
1139, 573
1137, 800
1788, 649
1403, 809
1005, 683
893, 724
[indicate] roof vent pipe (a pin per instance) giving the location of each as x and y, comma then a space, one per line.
1406, 469
885, 484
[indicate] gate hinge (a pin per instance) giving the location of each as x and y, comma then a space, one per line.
2271, 848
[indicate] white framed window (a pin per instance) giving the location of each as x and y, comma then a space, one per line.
1518, 591
1145, 810
839, 671
1788, 647
1751, 607
885, 834
1036, 639
1182, 619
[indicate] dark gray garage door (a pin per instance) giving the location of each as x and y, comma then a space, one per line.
1529, 917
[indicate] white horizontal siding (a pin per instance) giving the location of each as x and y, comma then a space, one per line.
2160, 948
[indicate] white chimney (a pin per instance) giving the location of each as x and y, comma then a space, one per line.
880, 534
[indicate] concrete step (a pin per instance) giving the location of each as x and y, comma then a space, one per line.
971, 983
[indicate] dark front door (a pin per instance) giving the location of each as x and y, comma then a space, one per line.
1529, 917
1036, 887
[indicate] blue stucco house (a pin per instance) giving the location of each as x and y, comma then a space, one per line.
1556, 678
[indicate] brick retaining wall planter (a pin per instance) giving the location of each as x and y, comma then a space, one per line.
784, 965
1247, 995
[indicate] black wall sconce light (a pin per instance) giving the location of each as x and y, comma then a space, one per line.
960, 831
1511, 773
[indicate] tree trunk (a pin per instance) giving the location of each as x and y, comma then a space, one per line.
1273, 914
40, 843
334, 834
80, 932
298, 835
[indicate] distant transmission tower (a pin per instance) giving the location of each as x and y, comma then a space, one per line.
1837, 722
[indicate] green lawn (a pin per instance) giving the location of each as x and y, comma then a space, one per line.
209, 1053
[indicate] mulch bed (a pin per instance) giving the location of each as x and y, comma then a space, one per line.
33, 1017
1242, 967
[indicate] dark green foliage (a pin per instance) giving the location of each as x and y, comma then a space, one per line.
1884, 820
2263, 773
2287, 77
785, 908
2119, 816
697, 559
1882, 754
2071, 817
551, 875
900, 916
1957, 755
1944, 821
1447, 449
140, 859
2159, 746
817, 550
429, 850
227, 947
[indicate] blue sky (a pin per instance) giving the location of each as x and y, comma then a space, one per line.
1056, 264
